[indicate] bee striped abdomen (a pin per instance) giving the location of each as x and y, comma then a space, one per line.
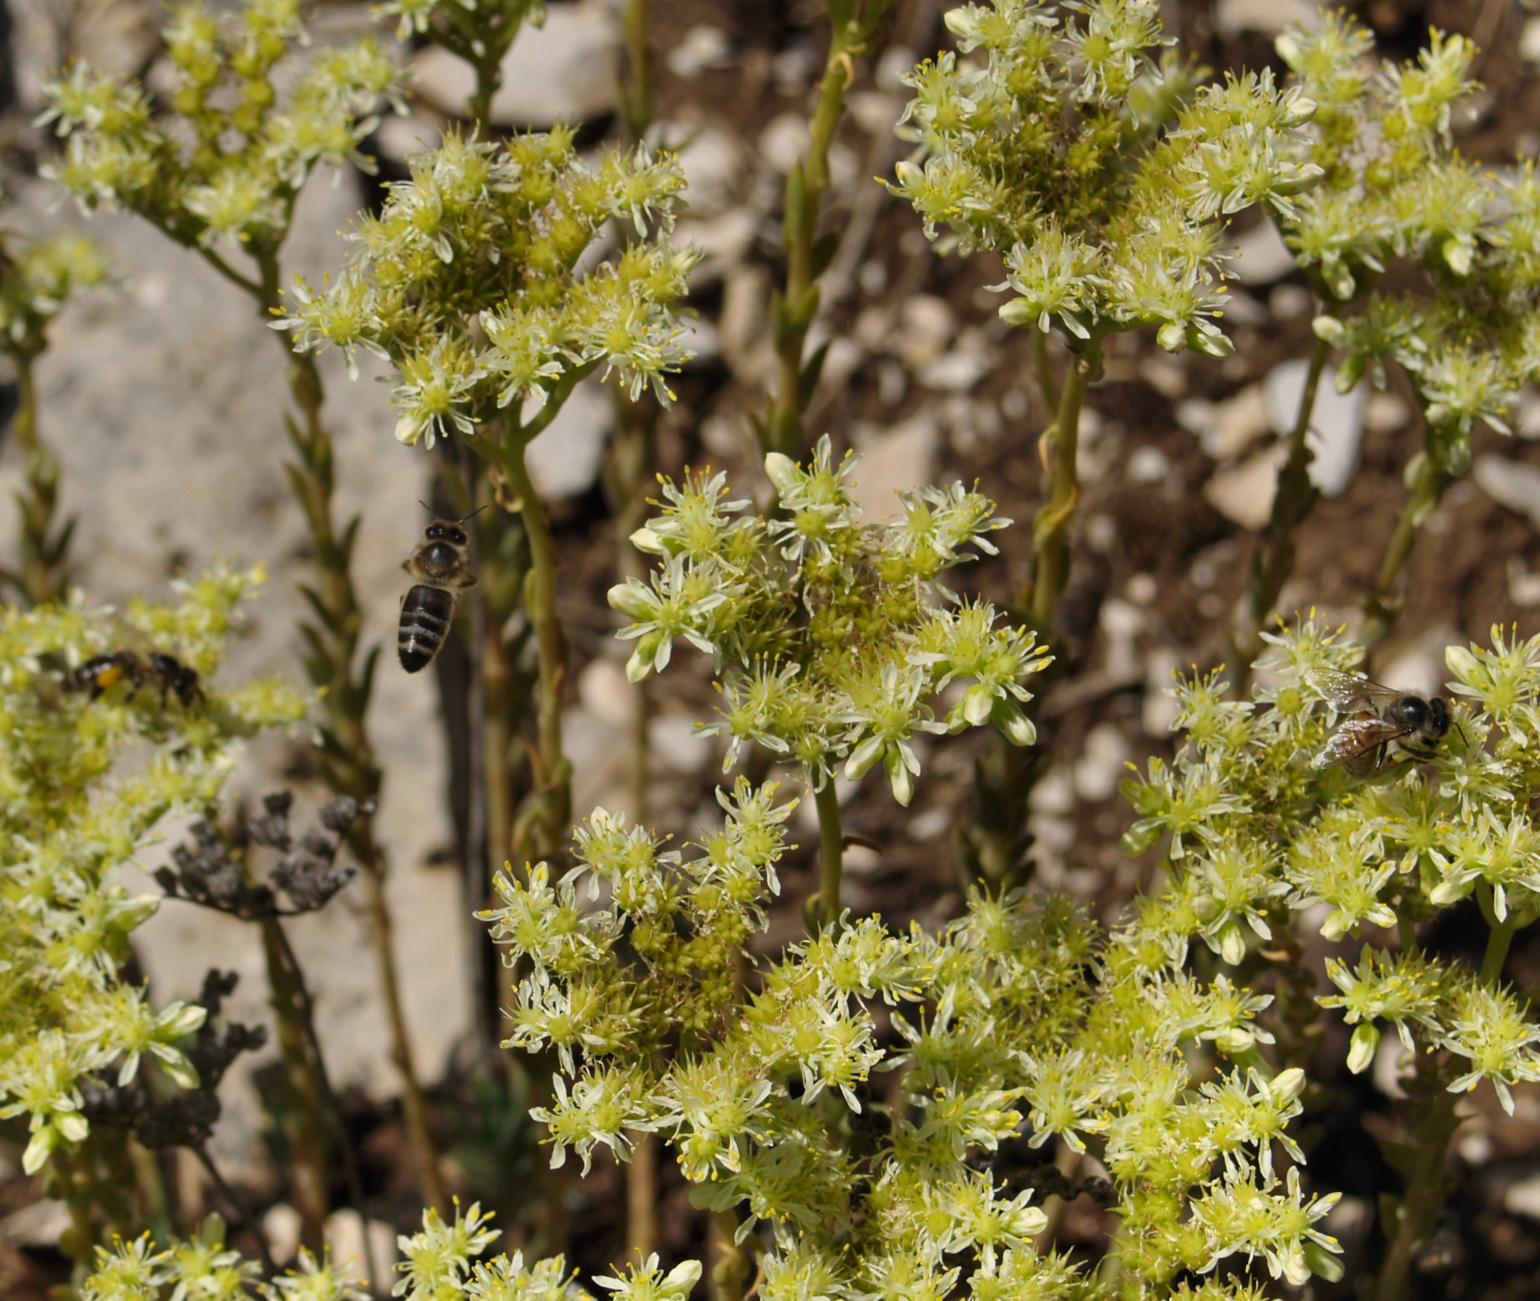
425, 618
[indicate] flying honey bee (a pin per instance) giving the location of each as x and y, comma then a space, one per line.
441, 566
1380, 721
101, 673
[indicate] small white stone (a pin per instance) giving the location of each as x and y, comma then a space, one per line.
1165, 376
1261, 256
1523, 586
875, 112
893, 460
783, 142
1244, 493
1234, 424
1510, 483
1529, 40
925, 327
930, 824
1142, 589
678, 743
605, 691
1528, 426
702, 48
1159, 711
1289, 301
1101, 764
1336, 422
958, 371
712, 161
345, 1238
723, 240
1385, 413
1234, 16
564, 459
1148, 464
281, 1226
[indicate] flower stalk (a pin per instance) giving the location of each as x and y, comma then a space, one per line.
1058, 449
1426, 483
42, 543
831, 853
1293, 499
795, 306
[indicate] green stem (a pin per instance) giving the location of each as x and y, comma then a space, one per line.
730, 1271
1293, 500
636, 80
1426, 482
1500, 935
1433, 1107
303, 1005
831, 840
41, 549
1046, 379
796, 305
540, 829
1059, 449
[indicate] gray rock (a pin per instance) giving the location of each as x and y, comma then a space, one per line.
1336, 422
712, 161
1244, 493
562, 72
783, 142
701, 49
894, 459
1101, 764
925, 327
564, 460
723, 240
1147, 464
1260, 256
1272, 16
958, 371
1510, 483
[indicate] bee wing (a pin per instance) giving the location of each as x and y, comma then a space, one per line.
1347, 692
1357, 739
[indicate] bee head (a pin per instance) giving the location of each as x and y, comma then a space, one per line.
1438, 717
445, 531
1412, 711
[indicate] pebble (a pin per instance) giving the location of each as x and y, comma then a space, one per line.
741, 325
712, 161
1260, 256
1529, 40
925, 327
676, 742
1243, 493
1288, 301
1420, 666
1336, 422
1101, 764
564, 459
1385, 413
604, 691
1166, 377
1225, 429
701, 49
1510, 483
1522, 1196
724, 241
1528, 423
345, 1240
1158, 713
564, 71
874, 112
1523, 586
894, 458
1148, 465
957, 371
783, 142
1121, 623
1234, 16
930, 824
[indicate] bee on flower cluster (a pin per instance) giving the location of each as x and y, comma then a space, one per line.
441, 566
101, 673
1382, 723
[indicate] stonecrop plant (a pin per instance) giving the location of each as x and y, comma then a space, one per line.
92, 763
829, 637
1025, 1097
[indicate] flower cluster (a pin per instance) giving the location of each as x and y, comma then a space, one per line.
1463, 321
1254, 831
478, 282
1062, 139
440, 1262
36, 281
828, 642
854, 1105
79, 798
245, 137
